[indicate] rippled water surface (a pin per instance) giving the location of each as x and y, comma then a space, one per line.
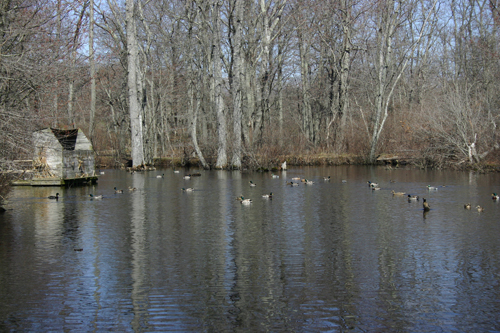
330, 256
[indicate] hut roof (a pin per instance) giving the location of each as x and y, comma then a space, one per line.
67, 138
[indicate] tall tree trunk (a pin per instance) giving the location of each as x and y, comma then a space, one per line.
194, 81
194, 107
384, 60
306, 110
247, 99
146, 101
71, 117
345, 63
280, 89
147, 110
76, 38
218, 100
134, 106
263, 80
270, 17
92, 72
56, 81
236, 85
170, 100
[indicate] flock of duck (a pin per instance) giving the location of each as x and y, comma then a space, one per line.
425, 204
131, 189
494, 196
295, 182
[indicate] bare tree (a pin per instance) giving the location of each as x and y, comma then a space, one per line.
462, 128
92, 71
134, 107
74, 48
270, 15
217, 86
300, 63
193, 77
308, 121
236, 83
388, 71
27, 76
339, 117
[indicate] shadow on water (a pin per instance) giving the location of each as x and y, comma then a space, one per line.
330, 256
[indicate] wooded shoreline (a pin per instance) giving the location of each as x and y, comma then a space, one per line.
249, 84
265, 163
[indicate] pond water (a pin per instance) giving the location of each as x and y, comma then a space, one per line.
330, 256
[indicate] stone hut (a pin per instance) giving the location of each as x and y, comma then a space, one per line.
63, 154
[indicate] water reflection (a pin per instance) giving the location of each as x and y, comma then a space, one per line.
139, 262
48, 229
328, 257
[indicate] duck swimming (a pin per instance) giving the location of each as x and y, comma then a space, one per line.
189, 189
117, 191
495, 196
252, 184
467, 206
413, 197
245, 201
54, 196
95, 196
268, 196
431, 188
480, 209
398, 193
